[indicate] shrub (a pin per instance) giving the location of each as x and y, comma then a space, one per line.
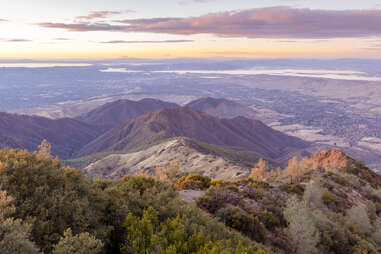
341, 180
313, 194
293, 188
330, 199
56, 197
301, 228
83, 243
216, 198
15, 238
193, 182
149, 235
269, 220
249, 224
359, 215
14, 234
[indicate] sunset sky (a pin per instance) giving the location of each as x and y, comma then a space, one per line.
52, 29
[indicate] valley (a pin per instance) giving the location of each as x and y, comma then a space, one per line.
329, 112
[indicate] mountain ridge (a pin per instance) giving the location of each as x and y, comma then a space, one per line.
66, 135
120, 111
238, 133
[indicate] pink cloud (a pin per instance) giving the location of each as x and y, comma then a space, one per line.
273, 22
136, 42
103, 14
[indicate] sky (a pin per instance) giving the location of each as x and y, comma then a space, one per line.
97, 29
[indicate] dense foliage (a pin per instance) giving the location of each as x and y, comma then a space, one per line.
48, 208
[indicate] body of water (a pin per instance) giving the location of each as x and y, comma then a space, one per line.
317, 73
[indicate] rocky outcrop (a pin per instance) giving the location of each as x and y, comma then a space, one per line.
328, 159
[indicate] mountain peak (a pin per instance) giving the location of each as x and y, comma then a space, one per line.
120, 111
332, 159
238, 133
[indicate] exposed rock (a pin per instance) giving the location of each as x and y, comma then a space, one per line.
328, 159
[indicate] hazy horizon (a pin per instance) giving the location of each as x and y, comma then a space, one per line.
190, 29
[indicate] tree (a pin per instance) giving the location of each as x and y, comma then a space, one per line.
259, 170
56, 197
14, 234
83, 243
293, 169
6, 206
301, 228
44, 149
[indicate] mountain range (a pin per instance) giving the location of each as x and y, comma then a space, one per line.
126, 126
66, 135
238, 133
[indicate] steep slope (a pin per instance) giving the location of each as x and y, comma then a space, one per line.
192, 156
221, 108
117, 112
66, 135
239, 133
334, 208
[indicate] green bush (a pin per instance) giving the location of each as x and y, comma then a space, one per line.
247, 223
330, 199
193, 182
54, 197
292, 188
149, 235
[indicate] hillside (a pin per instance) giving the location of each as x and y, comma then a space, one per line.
221, 108
47, 208
120, 111
192, 156
65, 135
239, 133
327, 203
330, 205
